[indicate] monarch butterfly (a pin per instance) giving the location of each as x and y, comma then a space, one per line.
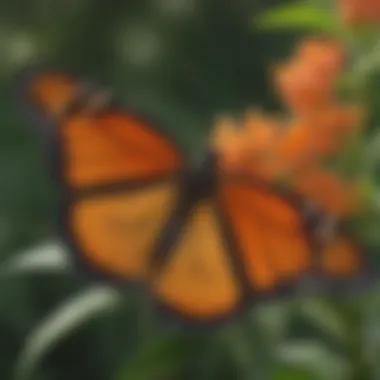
135, 211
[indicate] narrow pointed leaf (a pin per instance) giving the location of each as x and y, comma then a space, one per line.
46, 257
64, 320
297, 16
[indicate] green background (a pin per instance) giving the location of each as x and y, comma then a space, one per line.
183, 62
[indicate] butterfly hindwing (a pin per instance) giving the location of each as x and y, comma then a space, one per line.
197, 281
115, 233
341, 264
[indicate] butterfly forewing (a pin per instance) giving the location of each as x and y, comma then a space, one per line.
104, 144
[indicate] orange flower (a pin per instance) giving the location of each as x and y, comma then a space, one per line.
246, 142
227, 141
320, 126
296, 149
307, 81
307, 140
303, 86
273, 149
327, 54
262, 132
359, 12
332, 127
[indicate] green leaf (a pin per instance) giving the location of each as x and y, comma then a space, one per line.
45, 257
323, 315
314, 357
367, 63
297, 16
62, 321
273, 319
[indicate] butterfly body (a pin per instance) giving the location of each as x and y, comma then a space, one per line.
135, 211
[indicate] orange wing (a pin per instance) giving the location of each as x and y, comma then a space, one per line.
100, 143
341, 258
277, 248
116, 233
119, 175
197, 279
340, 264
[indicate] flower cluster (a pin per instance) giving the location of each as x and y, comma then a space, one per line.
317, 126
359, 12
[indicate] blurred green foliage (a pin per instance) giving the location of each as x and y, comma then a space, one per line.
183, 62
